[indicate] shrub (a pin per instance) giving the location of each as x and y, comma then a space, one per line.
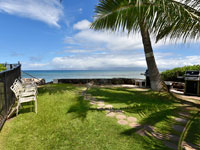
171, 75
2, 67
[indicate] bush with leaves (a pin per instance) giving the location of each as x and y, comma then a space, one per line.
171, 75
2, 67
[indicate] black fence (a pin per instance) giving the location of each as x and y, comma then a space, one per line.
7, 97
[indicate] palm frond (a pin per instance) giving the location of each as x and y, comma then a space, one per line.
163, 18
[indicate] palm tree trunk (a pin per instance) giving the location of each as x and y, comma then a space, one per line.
154, 75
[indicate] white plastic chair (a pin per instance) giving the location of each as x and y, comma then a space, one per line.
24, 91
25, 88
24, 96
30, 83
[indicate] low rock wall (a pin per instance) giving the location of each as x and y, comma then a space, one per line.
113, 81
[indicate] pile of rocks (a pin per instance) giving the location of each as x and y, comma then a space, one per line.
39, 81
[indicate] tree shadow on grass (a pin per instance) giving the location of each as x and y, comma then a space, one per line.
80, 109
149, 142
57, 88
146, 128
194, 132
144, 103
130, 96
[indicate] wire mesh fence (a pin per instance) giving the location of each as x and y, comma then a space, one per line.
7, 98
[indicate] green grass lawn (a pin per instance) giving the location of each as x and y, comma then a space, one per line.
66, 121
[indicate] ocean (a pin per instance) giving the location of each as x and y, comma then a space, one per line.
49, 75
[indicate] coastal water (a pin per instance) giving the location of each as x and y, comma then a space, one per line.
49, 75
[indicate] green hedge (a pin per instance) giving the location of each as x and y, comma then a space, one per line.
171, 75
2, 68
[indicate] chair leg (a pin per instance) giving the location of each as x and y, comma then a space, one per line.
36, 106
18, 105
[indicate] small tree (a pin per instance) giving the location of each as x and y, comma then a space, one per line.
2, 67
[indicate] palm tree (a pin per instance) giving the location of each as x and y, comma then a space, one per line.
162, 18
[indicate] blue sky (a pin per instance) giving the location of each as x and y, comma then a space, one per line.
44, 34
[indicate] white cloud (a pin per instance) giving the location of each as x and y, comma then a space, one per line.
34, 66
100, 61
87, 37
48, 11
120, 41
78, 50
37, 65
69, 40
80, 10
177, 61
110, 61
82, 25
111, 41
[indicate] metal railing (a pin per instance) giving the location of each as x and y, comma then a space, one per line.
7, 98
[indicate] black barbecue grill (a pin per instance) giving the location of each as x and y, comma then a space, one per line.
192, 83
146, 74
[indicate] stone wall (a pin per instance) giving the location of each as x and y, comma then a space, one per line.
113, 81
